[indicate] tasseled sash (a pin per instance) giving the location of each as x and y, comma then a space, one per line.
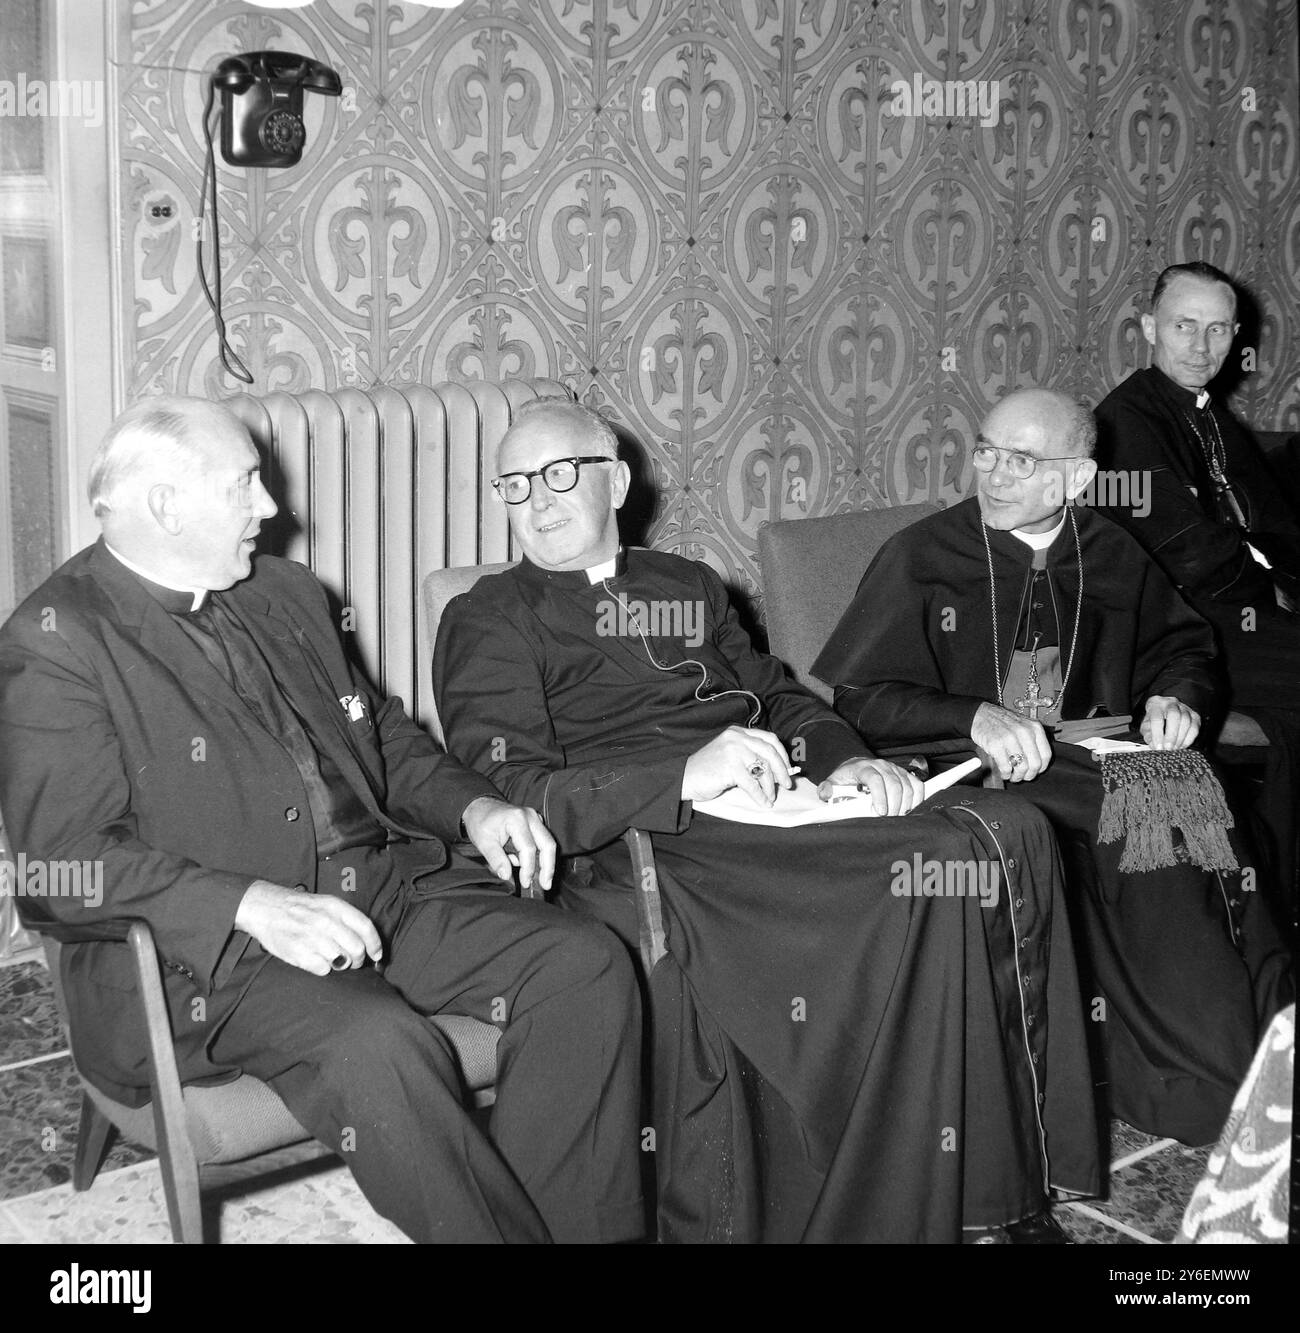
1151, 793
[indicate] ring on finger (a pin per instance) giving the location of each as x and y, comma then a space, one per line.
339, 962
758, 768
1016, 760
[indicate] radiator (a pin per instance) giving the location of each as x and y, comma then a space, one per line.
376, 488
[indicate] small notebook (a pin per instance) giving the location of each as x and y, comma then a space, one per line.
1083, 729
801, 805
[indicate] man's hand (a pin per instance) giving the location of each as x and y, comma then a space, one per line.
307, 930
511, 835
743, 757
1004, 736
893, 790
1169, 724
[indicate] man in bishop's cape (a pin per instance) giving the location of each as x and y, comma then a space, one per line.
1026, 624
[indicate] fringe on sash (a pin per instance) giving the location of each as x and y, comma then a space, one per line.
1149, 794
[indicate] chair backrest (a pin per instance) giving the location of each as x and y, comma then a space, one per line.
811, 567
440, 587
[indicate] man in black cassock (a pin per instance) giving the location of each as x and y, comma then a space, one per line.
834, 1060
1218, 522
1014, 610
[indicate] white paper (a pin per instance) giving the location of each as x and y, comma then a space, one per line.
801, 805
1100, 745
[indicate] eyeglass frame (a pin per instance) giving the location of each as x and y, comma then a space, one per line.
981, 443
576, 459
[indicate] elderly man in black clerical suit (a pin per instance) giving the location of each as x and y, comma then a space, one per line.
185, 715
1218, 522
1016, 612
840, 1054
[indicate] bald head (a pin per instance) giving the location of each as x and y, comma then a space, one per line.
1066, 425
1046, 432
177, 489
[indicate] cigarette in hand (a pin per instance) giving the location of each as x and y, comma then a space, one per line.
844, 791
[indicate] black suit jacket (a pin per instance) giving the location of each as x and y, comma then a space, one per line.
120, 743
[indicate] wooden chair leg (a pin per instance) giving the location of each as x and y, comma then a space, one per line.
180, 1176
93, 1135
180, 1168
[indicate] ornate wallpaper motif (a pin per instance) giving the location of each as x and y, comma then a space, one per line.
715, 220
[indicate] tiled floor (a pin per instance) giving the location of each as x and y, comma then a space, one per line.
304, 1195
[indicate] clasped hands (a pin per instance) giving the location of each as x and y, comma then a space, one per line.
1018, 747
320, 933
756, 762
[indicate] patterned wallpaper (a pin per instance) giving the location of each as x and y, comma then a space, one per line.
760, 232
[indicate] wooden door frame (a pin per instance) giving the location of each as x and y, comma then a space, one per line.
90, 190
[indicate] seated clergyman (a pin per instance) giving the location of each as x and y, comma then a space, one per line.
183, 714
1014, 618
836, 1058
1218, 523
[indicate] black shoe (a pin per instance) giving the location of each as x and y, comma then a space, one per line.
1038, 1229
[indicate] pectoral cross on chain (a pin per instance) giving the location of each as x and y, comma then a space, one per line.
1034, 698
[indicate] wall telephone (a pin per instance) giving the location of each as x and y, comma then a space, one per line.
261, 105
261, 126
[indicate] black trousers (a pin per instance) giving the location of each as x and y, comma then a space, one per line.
365, 1073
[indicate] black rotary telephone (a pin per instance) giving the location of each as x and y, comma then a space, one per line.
261, 105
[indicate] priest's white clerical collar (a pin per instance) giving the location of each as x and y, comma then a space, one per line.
1202, 400
598, 573
197, 593
1039, 541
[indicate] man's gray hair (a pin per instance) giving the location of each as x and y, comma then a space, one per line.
579, 415
155, 437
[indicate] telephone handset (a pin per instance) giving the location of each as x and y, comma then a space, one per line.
261, 105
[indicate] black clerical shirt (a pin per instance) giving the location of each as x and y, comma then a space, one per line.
339, 816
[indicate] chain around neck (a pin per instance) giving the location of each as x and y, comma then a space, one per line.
993, 607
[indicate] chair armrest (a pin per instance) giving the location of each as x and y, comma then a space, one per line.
170, 1118
110, 930
649, 910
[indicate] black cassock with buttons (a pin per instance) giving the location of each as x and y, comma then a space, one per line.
1183, 967
834, 1060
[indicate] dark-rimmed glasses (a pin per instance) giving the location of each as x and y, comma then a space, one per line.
560, 475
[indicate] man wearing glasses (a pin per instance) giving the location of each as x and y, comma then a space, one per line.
835, 1060
1027, 623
